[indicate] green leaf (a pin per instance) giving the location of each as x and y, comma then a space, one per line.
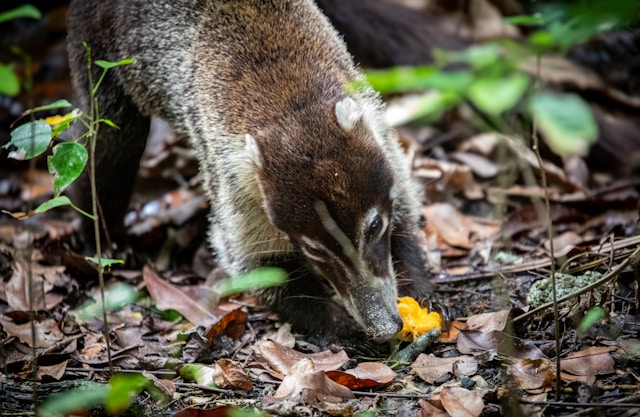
58, 202
594, 315
60, 123
111, 64
258, 278
84, 398
494, 95
108, 123
66, 164
566, 121
58, 104
53, 203
123, 388
201, 374
536, 19
9, 82
116, 297
479, 56
26, 10
104, 262
418, 78
31, 139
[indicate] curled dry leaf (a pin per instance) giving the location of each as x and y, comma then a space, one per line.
17, 289
166, 386
223, 374
53, 371
460, 402
307, 384
282, 359
533, 374
365, 375
432, 369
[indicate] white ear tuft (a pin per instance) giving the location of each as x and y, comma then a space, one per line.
253, 150
348, 113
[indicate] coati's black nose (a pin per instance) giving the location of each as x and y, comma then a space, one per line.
386, 331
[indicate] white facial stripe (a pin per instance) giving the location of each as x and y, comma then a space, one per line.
310, 248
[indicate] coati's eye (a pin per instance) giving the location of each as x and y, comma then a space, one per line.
377, 227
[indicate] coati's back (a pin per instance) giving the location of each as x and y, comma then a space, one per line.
299, 169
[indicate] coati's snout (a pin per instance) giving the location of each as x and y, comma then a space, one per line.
359, 271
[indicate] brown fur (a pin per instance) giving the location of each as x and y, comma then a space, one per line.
260, 88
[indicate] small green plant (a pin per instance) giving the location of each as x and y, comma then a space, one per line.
115, 396
68, 158
9, 81
490, 78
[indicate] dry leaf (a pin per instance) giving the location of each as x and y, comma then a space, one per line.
432, 369
282, 358
473, 342
460, 402
47, 332
486, 322
591, 361
232, 376
199, 310
429, 410
307, 384
533, 374
18, 289
455, 228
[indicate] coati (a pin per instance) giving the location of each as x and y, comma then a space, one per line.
299, 168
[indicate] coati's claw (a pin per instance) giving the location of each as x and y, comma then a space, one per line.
437, 308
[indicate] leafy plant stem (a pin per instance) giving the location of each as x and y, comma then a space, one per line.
94, 201
29, 250
549, 227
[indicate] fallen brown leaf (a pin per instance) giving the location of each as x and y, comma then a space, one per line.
47, 332
460, 402
199, 310
594, 360
533, 374
307, 384
282, 358
432, 369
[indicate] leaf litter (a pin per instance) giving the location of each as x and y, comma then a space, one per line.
486, 242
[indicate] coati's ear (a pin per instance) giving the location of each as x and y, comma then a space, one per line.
253, 150
348, 112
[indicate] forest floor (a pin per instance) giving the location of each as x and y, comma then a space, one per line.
486, 236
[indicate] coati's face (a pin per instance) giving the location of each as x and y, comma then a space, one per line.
332, 195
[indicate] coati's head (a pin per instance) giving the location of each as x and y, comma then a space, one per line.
330, 189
